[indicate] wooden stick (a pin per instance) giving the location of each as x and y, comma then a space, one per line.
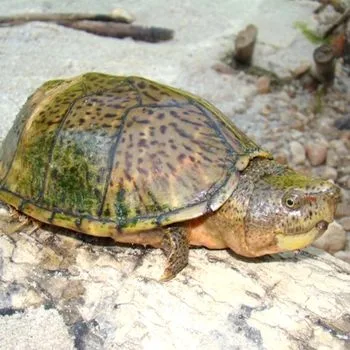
337, 23
322, 6
57, 17
121, 30
325, 63
245, 43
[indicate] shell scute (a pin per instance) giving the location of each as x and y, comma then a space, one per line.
120, 153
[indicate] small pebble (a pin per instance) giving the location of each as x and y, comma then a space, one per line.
333, 240
297, 153
316, 153
330, 173
222, 68
332, 157
343, 255
345, 222
263, 85
343, 123
266, 110
343, 209
339, 146
325, 172
281, 157
344, 181
301, 69
121, 13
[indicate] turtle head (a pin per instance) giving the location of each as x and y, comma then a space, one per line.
285, 210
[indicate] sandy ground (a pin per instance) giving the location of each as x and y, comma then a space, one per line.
204, 32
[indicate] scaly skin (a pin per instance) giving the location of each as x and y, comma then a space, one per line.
273, 209
145, 163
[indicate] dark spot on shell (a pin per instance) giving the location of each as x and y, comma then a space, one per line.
54, 173
181, 157
164, 154
150, 96
97, 192
143, 121
163, 129
127, 175
142, 143
174, 114
161, 116
187, 148
153, 87
109, 115
171, 167
141, 84
142, 171
116, 106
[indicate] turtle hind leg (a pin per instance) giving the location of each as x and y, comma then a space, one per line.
175, 247
20, 221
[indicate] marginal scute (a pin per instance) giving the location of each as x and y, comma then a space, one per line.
105, 154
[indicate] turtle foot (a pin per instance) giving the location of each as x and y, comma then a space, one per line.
175, 247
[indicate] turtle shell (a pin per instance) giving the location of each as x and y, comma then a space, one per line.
98, 153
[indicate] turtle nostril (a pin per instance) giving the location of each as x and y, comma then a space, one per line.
322, 226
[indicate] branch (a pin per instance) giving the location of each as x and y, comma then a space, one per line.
121, 30
245, 43
337, 23
68, 17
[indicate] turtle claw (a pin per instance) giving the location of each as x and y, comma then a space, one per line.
167, 275
175, 247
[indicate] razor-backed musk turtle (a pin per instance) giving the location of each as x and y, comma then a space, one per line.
145, 163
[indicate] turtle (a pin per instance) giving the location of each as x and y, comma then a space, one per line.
148, 164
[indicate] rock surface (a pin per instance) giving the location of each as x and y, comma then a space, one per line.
61, 290
103, 296
317, 153
333, 240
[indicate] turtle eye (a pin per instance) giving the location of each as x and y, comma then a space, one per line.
292, 200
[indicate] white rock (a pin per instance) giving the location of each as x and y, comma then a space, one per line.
333, 240
345, 222
344, 181
297, 153
332, 157
316, 153
343, 255
340, 147
326, 172
263, 85
124, 14
343, 208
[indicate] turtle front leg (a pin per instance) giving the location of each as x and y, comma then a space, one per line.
175, 246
